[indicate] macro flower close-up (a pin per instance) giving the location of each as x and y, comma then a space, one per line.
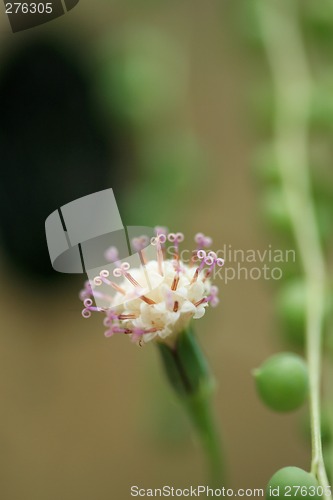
166, 249
178, 291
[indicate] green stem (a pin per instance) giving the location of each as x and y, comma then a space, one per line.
293, 88
201, 413
190, 377
328, 393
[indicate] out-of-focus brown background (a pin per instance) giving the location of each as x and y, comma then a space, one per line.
83, 417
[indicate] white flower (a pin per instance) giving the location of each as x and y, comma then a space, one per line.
178, 291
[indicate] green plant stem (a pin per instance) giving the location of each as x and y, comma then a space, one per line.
200, 411
328, 393
293, 87
191, 379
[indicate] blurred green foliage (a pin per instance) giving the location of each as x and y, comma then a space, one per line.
143, 75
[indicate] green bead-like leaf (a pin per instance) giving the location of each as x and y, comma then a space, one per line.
282, 382
302, 484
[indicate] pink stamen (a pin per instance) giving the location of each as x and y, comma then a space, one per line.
120, 317
153, 330
194, 258
158, 241
137, 336
111, 254
202, 241
123, 271
162, 231
103, 296
107, 321
143, 257
119, 329
138, 332
130, 278
201, 254
117, 288
202, 301
212, 260
89, 308
139, 244
212, 298
94, 309
138, 295
176, 238
102, 278
86, 292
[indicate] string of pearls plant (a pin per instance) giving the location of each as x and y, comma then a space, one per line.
293, 90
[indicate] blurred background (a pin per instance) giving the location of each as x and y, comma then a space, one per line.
169, 104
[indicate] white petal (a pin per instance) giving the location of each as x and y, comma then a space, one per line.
199, 312
188, 307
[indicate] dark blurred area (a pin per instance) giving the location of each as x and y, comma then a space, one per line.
54, 147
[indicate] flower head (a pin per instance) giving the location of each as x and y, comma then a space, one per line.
158, 298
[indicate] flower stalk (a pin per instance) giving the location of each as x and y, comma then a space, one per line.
189, 375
